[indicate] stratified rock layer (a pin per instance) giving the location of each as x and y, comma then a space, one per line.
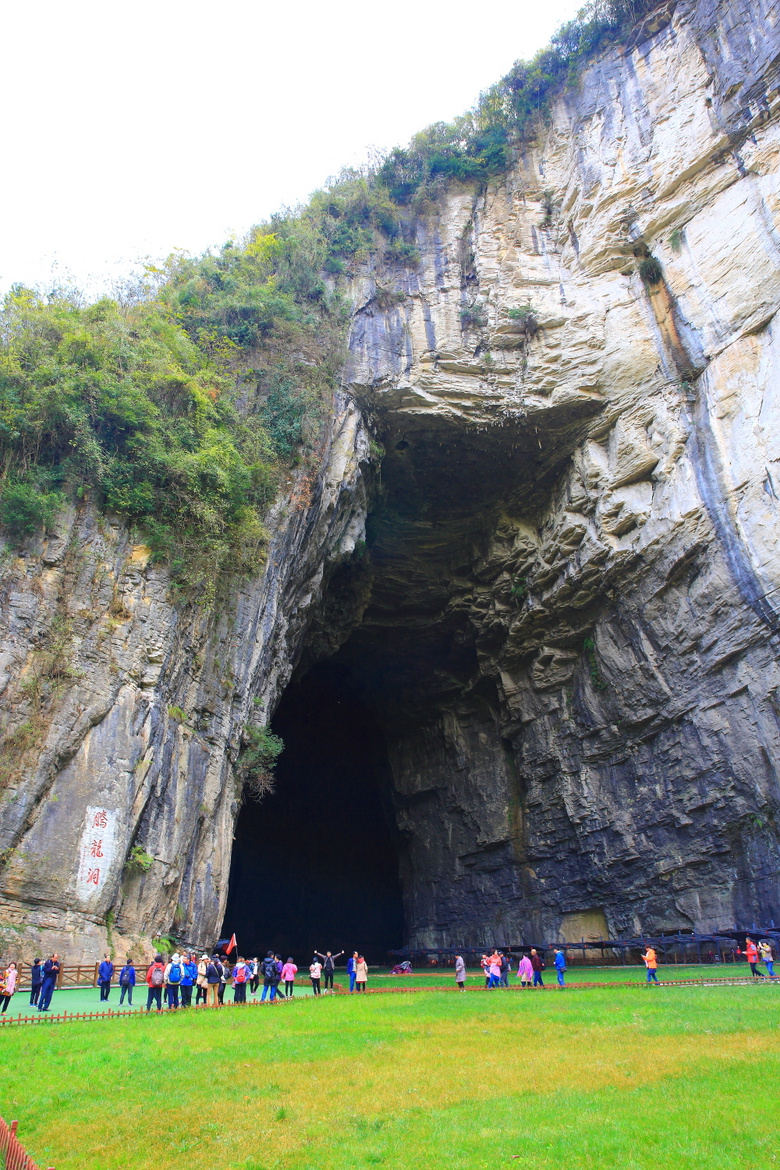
568, 622
593, 507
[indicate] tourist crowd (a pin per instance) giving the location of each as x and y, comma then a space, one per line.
174, 981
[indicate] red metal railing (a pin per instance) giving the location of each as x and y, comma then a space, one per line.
16, 1157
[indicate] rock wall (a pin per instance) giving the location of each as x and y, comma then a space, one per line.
141, 706
568, 622
595, 504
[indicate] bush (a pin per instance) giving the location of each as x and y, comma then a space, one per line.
473, 317
258, 759
139, 861
650, 270
526, 318
24, 509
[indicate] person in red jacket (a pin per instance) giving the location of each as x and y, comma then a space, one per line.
155, 978
751, 952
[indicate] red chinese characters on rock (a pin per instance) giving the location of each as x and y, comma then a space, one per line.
96, 849
93, 877
101, 819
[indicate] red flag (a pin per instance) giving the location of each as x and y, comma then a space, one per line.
231, 945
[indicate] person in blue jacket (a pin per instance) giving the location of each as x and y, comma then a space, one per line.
188, 979
36, 979
352, 969
51, 969
105, 974
560, 965
127, 982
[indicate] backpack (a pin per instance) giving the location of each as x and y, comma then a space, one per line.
239, 975
270, 970
174, 975
157, 976
124, 977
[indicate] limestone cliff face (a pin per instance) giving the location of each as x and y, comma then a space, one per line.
141, 707
568, 623
595, 505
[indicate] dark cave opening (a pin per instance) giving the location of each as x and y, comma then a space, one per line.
315, 864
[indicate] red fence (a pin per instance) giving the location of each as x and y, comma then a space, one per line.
16, 1158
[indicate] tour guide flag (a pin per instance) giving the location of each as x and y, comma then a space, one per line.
231, 944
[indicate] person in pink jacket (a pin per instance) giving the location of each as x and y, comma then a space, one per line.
288, 974
525, 971
8, 985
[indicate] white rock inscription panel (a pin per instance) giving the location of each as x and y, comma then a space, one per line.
97, 851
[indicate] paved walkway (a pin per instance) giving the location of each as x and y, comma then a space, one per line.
87, 999
86, 1002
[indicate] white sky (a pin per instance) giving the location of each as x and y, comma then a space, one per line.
133, 129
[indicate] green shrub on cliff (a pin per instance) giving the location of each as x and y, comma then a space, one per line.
117, 401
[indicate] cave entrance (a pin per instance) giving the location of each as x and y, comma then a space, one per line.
315, 864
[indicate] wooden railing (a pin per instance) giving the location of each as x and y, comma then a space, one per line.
14, 1155
81, 975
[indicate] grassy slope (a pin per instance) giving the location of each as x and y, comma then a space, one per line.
667, 1078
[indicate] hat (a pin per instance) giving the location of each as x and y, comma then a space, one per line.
176, 957
204, 957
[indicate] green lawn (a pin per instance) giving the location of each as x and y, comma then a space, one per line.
648, 1079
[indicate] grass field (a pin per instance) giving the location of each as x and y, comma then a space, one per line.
630, 1078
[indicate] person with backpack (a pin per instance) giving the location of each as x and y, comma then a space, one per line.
51, 970
289, 971
127, 982
315, 974
560, 966
105, 975
188, 979
213, 977
174, 973
504, 965
36, 978
328, 967
271, 976
537, 963
240, 980
767, 956
155, 979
